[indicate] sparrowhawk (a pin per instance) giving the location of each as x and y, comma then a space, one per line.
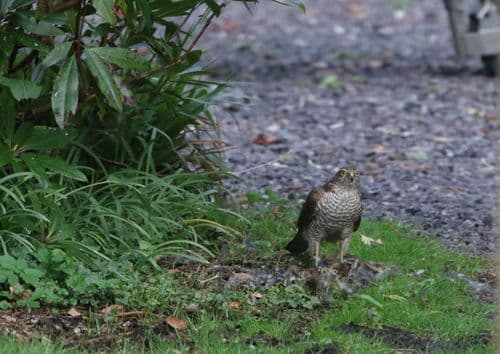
330, 213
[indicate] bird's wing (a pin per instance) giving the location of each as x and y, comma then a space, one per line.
358, 221
309, 208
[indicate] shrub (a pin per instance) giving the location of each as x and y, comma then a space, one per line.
103, 164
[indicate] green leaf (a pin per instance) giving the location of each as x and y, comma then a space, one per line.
163, 8
36, 167
21, 89
8, 121
213, 6
23, 133
105, 81
123, 57
370, 299
59, 166
65, 92
10, 263
6, 155
106, 9
57, 54
10, 5
146, 13
6, 46
48, 138
42, 28
32, 275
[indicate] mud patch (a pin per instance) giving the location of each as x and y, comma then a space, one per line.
405, 340
75, 332
263, 338
351, 276
332, 348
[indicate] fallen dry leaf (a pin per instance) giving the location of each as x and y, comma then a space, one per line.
242, 276
257, 295
266, 139
109, 309
24, 295
226, 26
370, 241
192, 307
176, 323
72, 312
355, 10
8, 318
119, 12
234, 304
378, 149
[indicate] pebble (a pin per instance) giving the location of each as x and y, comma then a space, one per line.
425, 107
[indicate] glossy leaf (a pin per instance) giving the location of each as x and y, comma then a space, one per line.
21, 89
44, 138
144, 7
65, 92
105, 81
41, 28
57, 54
106, 9
8, 120
36, 167
212, 4
6, 155
61, 167
123, 57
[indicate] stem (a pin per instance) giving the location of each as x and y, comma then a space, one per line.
64, 5
25, 62
176, 61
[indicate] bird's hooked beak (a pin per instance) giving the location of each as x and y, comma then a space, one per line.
351, 177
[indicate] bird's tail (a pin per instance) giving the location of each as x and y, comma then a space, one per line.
297, 245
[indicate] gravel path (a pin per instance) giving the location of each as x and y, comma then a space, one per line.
365, 84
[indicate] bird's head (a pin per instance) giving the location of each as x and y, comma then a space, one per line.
346, 177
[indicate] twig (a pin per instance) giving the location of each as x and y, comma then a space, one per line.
64, 5
12, 59
135, 314
209, 279
25, 62
239, 173
180, 26
116, 163
178, 60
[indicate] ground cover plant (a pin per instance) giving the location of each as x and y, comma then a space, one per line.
254, 297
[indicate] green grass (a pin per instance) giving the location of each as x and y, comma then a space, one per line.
432, 304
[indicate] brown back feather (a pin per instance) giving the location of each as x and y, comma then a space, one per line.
309, 208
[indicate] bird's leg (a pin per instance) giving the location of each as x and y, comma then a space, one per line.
344, 244
316, 253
